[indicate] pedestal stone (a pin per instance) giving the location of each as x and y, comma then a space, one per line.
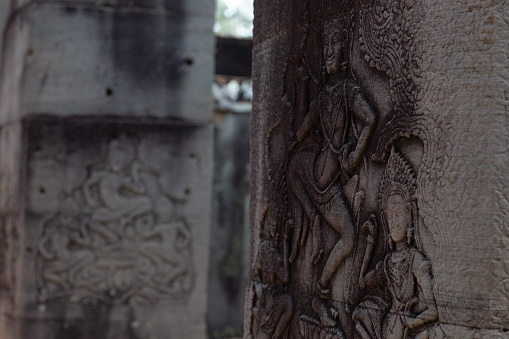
379, 153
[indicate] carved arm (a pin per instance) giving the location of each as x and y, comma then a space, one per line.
365, 114
422, 272
373, 277
87, 188
45, 254
311, 119
134, 187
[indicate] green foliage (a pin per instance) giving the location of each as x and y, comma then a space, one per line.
234, 18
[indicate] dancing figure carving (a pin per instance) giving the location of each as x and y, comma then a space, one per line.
345, 121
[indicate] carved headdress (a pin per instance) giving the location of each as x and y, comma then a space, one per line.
341, 21
398, 179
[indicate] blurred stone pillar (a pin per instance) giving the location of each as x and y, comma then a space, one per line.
379, 204
106, 168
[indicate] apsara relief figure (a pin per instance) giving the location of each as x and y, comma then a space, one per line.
272, 312
345, 121
405, 270
121, 193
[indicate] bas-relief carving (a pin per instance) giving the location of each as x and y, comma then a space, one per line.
404, 270
389, 44
121, 239
319, 169
325, 170
272, 312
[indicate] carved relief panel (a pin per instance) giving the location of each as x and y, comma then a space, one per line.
123, 240
113, 222
339, 246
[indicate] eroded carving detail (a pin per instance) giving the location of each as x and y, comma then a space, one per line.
405, 270
311, 328
324, 168
115, 238
388, 31
325, 162
272, 312
272, 307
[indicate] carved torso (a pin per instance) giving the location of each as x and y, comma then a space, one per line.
403, 270
334, 118
333, 115
399, 276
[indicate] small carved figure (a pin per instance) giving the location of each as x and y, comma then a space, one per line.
167, 246
405, 270
121, 194
346, 122
64, 265
272, 312
270, 265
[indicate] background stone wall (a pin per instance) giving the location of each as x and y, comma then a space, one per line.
106, 147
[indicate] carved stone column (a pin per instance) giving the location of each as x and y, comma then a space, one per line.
105, 168
379, 204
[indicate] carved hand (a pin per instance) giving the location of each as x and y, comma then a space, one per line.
370, 227
349, 159
411, 321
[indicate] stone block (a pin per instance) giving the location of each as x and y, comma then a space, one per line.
105, 62
116, 229
194, 7
379, 152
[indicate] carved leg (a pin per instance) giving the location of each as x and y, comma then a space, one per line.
317, 241
284, 313
337, 213
295, 227
79, 265
54, 276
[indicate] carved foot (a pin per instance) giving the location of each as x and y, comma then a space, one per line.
323, 292
323, 313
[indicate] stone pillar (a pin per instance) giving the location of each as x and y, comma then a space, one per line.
379, 203
105, 168
229, 249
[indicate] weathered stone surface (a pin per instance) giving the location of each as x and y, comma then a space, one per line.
115, 242
379, 203
105, 169
194, 7
128, 62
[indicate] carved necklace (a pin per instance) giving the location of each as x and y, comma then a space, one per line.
335, 114
399, 275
